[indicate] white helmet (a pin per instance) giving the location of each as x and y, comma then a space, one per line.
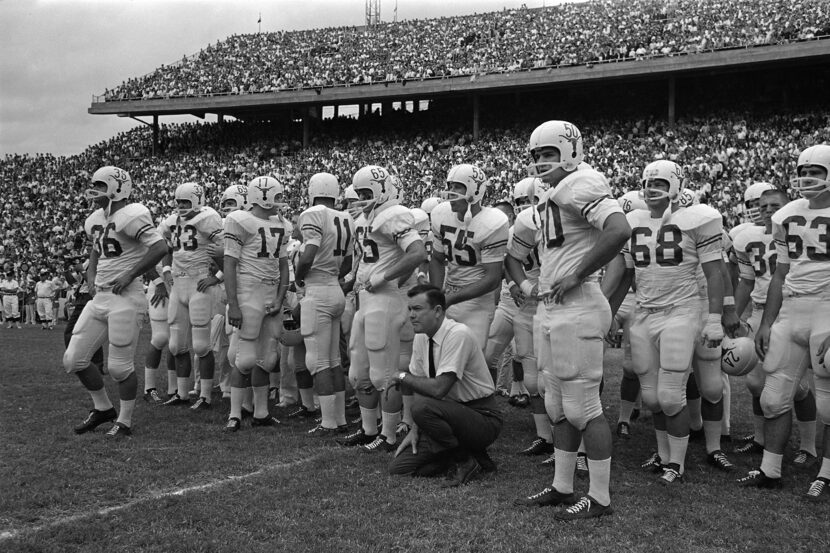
396, 180
118, 181
379, 181
472, 178
631, 201
664, 170
753, 194
420, 217
349, 194
193, 193
429, 204
323, 185
528, 189
563, 136
290, 335
818, 155
266, 192
239, 194
687, 198
738, 355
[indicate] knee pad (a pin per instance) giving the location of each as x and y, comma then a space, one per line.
123, 326
120, 362
245, 356
201, 340
671, 400
580, 414
200, 309
160, 334
755, 381
773, 404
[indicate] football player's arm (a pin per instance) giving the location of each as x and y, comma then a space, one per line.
160, 295
153, 255
345, 268
488, 283
713, 330
510, 269
234, 313
775, 296
92, 270
304, 262
746, 282
283, 286
437, 268
414, 255
729, 319
617, 282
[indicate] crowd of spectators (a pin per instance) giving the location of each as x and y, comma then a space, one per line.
504, 41
43, 210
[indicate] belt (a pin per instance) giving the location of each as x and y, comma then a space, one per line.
757, 305
655, 309
44, 297
103, 288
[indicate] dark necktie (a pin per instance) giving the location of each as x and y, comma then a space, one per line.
431, 359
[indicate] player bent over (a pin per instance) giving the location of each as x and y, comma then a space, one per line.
125, 245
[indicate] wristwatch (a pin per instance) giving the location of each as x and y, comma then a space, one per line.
401, 376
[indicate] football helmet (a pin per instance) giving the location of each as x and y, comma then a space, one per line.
379, 181
118, 181
738, 356
563, 136
527, 190
290, 335
419, 215
687, 198
429, 204
323, 185
809, 187
349, 194
631, 201
238, 193
752, 196
266, 192
667, 171
190, 192
472, 178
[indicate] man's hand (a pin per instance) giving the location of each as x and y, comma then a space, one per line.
712, 331
160, 296
821, 353
517, 295
234, 316
410, 439
561, 287
730, 321
762, 341
121, 283
206, 283
215, 251
273, 309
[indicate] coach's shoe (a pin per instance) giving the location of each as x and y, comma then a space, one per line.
202, 404
464, 472
718, 460
671, 475
817, 488
356, 438
539, 446
804, 459
119, 430
654, 463
548, 496
380, 444
757, 479
176, 399
152, 396
302, 413
265, 421
749, 447
624, 430
233, 425
96, 418
586, 507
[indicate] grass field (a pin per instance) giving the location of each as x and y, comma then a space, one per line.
182, 484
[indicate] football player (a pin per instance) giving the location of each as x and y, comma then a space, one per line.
189, 232
327, 245
157, 302
792, 336
256, 280
581, 229
469, 245
9, 288
125, 245
391, 250
45, 291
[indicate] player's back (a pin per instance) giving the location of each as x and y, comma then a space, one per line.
755, 250
332, 232
257, 243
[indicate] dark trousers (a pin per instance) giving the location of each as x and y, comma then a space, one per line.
448, 431
80, 301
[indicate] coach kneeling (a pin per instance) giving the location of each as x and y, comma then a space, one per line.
454, 408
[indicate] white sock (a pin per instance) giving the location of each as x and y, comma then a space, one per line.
182, 385
677, 450
390, 424
307, 398
260, 401
327, 410
663, 445
824, 471
100, 399
563, 472
150, 378
369, 417
340, 407
726, 420
771, 464
543, 429
237, 396
248, 399
125, 417
599, 486
171, 382
207, 388
807, 436
711, 429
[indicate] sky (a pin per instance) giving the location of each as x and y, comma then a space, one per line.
55, 54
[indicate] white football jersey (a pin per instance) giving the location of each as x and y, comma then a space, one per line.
755, 251
468, 247
666, 256
632, 200
120, 240
802, 240
572, 215
384, 239
523, 242
190, 238
739, 228
257, 243
332, 232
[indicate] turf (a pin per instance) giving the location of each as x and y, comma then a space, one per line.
182, 484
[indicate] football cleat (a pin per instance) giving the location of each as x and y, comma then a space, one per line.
265, 421
380, 444
654, 463
757, 479
193, 394
719, 460
247, 413
152, 396
234, 424
119, 430
550, 461
817, 488
548, 496
804, 459
321, 430
356, 438
581, 464
521, 400
302, 413
539, 446
749, 447
202, 404
464, 472
584, 508
624, 430
94, 419
671, 474
176, 399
